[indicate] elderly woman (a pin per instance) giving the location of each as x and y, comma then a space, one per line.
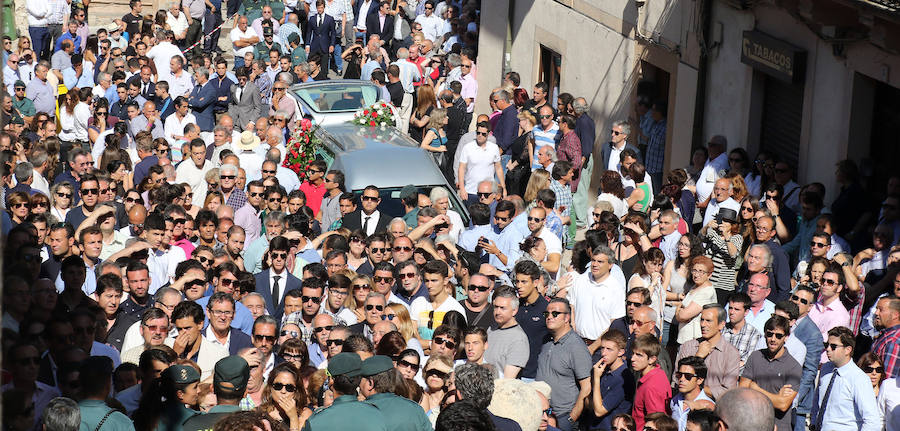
61, 196
440, 199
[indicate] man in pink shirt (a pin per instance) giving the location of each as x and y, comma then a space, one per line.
314, 186
653, 389
829, 312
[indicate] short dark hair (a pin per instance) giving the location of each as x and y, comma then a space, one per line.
696, 363
108, 281
480, 214
464, 415
188, 309
560, 169
741, 298
792, 310
844, 334
528, 268
438, 267
779, 322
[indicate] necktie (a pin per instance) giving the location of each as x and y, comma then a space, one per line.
144, 90
320, 20
275, 294
366, 225
821, 415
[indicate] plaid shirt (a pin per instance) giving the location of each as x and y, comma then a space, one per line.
237, 199
744, 340
563, 198
569, 149
856, 313
656, 147
887, 347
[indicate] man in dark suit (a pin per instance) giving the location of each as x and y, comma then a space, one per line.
361, 11
275, 281
382, 24
321, 33
618, 143
367, 218
144, 80
220, 311
203, 99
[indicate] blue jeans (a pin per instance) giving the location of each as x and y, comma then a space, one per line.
800, 421
338, 61
504, 159
39, 38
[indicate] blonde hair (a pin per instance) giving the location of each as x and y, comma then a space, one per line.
351, 300
537, 182
525, 115
437, 119
403, 322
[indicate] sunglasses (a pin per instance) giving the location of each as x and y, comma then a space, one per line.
388, 316
832, 346
633, 304
482, 133
288, 387
403, 248
228, 281
293, 334
484, 195
203, 259
436, 373
803, 301
444, 342
378, 250
407, 364
22, 205
259, 337
872, 369
615, 133
555, 314
367, 287
279, 255
687, 376
254, 194
777, 335
409, 275
334, 343
535, 219
818, 244
377, 307
323, 328
365, 198
228, 177
90, 191
478, 288
313, 299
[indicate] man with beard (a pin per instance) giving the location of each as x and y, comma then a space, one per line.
137, 275
410, 282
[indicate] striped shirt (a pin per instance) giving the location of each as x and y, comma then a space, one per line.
543, 137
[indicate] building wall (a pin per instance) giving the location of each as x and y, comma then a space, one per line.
828, 91
600, 56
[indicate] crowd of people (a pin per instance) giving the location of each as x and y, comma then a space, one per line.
163, 269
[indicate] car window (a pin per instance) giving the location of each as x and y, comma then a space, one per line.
342, 97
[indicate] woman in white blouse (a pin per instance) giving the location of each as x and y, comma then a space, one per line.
701, 293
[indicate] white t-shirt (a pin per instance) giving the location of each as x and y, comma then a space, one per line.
479, 164
420, 311
179, 85
714, 206
237, 34
551, 241
596, 304
161, 54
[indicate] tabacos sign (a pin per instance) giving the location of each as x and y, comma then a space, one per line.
773, 56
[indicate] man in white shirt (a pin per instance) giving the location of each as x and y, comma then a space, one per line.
409, 72
163, 52
193, 172
477, 163
721, 199
190, 342
715, 167
432, 24
39, 162
104, 81
180, 82
243, 39
597, 296
552, 243
174, 125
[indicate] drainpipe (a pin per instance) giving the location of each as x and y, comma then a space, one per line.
702, 71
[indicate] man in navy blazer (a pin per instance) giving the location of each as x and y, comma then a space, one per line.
220, 311
371, 6
321, 32
374, 24
618, 143
203, 99
275, 281
808, 333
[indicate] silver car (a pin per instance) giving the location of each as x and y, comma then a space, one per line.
385, 158
334, 101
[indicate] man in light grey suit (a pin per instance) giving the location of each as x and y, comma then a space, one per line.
245, 100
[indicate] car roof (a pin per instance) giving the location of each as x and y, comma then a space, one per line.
381, 157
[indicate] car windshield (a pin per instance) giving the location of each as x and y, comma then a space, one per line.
341, 97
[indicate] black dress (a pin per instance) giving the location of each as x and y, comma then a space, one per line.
517, 178
417, 133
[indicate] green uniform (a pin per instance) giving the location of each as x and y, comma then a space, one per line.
261, 51
400, 413
346, 413
25, 106
298, 55
252, 9
412, 218
205, 422
93, 411
173, 415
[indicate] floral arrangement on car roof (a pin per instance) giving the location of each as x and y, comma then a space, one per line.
379, 114
301, 149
